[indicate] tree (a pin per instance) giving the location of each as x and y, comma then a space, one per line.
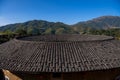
49, 31
9, 33
21, 32
29, 31
60, 31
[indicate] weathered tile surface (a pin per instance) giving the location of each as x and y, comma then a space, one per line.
60, 53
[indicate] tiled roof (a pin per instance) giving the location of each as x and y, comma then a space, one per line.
66, 53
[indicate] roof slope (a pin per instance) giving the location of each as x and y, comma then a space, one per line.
35, 54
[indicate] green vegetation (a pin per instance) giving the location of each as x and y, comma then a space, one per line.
21, 32
106, 25
109, 32
104, 22
6, 35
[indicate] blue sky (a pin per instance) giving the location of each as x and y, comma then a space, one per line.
67, 11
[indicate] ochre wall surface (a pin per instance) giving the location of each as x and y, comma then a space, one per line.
11, 76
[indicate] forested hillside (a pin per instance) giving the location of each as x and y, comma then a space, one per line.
105, 25
38, 27
45, 27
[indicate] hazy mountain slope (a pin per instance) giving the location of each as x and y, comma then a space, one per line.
103, 22
33, 24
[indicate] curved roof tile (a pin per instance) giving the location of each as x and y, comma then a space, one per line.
60, 53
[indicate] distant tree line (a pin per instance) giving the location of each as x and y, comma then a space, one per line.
109, 32
31, 32
105, 25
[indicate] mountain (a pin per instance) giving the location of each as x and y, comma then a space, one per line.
35, 26
104, 22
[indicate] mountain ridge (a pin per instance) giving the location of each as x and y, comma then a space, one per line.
103, 22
